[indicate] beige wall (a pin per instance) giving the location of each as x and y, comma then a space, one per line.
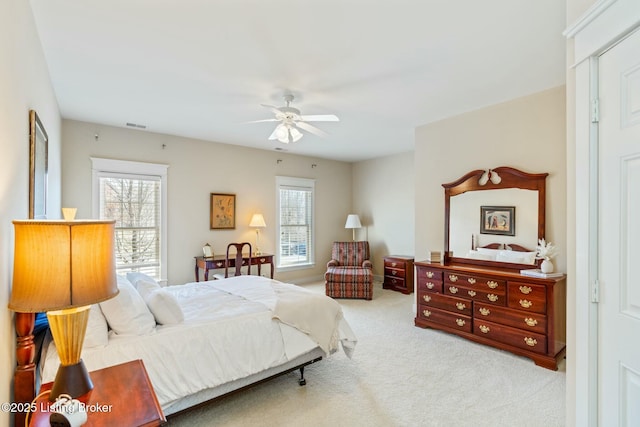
24, 85
198, 168
383, 191
527, 133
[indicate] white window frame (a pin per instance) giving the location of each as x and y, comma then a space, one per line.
303, 183
136, 170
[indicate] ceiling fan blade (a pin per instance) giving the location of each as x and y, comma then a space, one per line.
265, 120
272, 108
309, 128
320, 118
274, 134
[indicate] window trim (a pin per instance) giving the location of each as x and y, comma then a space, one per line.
135, 170
305, 183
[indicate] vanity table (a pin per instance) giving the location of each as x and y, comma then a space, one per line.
489, 301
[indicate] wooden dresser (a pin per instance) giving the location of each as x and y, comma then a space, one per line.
494, 306
398, 273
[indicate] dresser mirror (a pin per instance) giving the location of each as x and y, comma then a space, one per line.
495, 217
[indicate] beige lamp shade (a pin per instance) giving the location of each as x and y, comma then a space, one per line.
257, 220
62, 264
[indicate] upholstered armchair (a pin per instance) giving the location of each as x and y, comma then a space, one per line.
349, 273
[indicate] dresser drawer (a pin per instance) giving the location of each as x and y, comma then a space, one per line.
394, 263
456, 305
427, 273
491, 297
452, 320
394, 281
527, 296
394, 272
429, 285
517, 318
516, 337
477, 282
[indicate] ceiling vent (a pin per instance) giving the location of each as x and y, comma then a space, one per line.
137, 126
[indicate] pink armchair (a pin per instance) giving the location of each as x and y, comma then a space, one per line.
349, 273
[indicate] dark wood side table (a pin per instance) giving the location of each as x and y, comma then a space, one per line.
122, 395
398, 273
219, 261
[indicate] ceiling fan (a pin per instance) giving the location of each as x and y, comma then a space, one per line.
291, 121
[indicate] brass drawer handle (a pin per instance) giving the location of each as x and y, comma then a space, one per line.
484, 311
262, 260
393, 264
460, 322
484, 329
219, 264
530, 321
429, 285
472, 293
426, 313
491, 284
525, 303
492, 297
426, 298
394, 281
531, 342
525, 289
430, 274
453, 289
453, 277
394, 272
471, 280
460, 306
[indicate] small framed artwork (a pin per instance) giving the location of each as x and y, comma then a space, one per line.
206, 251
498, 220
223, 211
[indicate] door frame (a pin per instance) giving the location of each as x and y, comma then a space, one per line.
604, 25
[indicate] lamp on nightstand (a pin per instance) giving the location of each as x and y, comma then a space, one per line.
62, 267
257, 222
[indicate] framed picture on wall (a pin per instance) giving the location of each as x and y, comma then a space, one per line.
223, 211
498, 220
38, 167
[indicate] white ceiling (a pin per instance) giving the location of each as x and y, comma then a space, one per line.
201, 68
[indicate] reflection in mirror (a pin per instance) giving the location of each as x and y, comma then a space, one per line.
465, 219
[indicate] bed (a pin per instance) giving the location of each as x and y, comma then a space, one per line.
202, 340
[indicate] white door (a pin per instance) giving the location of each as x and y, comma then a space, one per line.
619, 235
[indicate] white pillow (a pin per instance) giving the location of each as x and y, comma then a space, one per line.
163, 304
479, 255
517, 257
492, 253
134, 277
127, 313
97, 334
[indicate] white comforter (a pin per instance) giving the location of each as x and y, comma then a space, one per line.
230, 331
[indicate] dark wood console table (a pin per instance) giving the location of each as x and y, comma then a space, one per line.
219, 261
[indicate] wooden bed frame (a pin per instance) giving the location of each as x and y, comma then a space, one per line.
24, 379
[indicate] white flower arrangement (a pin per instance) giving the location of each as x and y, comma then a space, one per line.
545, 250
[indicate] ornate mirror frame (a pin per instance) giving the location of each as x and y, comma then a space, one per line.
477, 180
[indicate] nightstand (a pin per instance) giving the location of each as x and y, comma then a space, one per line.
122, 395
398, 273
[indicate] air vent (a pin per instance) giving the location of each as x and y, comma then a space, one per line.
279, 149
137, 126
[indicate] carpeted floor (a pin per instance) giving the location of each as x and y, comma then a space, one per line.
400, 375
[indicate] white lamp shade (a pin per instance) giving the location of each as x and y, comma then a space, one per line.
353, 221
257, 220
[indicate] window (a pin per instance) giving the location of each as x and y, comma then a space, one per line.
295, 199
133, 194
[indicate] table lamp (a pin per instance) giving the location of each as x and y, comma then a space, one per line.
62, 267
353, 222
257, 221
